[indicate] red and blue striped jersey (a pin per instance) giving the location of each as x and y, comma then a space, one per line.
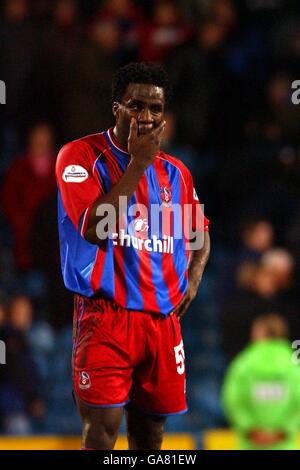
134, 268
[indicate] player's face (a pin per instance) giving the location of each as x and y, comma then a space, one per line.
143, 102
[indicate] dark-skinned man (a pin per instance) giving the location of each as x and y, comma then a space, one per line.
133, 262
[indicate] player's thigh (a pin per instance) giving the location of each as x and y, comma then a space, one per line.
144, 431
159, 383
100, 426
102, 371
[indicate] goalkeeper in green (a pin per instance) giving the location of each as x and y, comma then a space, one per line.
261, 390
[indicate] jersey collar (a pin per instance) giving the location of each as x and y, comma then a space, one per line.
115, 145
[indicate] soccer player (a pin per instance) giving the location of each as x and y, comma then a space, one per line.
132, 281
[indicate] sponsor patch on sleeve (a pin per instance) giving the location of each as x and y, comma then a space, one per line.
195, 195
75, 174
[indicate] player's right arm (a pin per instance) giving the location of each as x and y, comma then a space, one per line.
142, 150
82, 195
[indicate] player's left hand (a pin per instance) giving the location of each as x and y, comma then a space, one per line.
188, 297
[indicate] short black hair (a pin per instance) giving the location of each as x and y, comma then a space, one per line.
140, 72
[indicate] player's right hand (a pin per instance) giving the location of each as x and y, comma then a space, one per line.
265, 438
143, 148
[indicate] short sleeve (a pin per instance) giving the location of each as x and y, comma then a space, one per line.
78, 186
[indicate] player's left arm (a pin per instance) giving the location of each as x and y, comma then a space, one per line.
199, 250
197, 263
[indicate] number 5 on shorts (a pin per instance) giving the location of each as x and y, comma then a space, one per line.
179, 355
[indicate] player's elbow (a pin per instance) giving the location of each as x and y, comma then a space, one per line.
93, 236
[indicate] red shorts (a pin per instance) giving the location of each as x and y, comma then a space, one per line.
122, 356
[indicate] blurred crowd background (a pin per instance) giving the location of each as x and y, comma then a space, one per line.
233, 123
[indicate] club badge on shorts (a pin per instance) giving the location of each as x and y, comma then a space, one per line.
84, 381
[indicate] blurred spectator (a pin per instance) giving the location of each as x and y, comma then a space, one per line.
224, 13
261, 391
65, 13
19, 381
166, 31
18, 39
261, 289
128, 17
90, 86
256, 236
61, 39
282, 265
29, 181
197, 69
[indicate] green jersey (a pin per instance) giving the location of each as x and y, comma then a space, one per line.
262, 391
